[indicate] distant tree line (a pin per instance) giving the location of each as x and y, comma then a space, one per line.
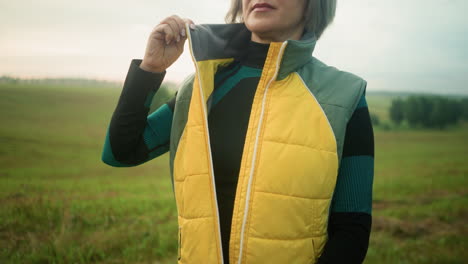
60, 81
164, 94
428, 111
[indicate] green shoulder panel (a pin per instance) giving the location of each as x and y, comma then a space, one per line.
179, 119
338, 93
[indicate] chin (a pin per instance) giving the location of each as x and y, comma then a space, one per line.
260, 28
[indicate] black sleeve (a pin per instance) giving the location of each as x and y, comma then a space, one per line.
348, 238
129, 118
350, 221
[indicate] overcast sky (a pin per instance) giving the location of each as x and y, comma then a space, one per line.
415, 45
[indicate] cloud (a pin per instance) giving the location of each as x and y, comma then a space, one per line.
394, 45
401, 45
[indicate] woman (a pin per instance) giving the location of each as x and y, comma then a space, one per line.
271, 150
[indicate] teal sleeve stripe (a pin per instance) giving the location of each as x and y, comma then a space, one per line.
244, 72
353, 191
158, 127
362, 102
156, 136
107, 155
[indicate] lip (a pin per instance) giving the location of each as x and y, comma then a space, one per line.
262, 7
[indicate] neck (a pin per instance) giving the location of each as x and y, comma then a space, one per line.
268, 37
255, 55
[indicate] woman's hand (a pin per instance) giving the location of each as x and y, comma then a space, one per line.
165, 44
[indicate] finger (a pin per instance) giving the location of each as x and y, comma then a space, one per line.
189, 22
158, 32
172, 22
180, 23
192, 24
169, 21
167, 32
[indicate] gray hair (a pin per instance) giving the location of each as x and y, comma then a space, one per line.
318, 14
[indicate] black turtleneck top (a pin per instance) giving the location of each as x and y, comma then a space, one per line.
228, 117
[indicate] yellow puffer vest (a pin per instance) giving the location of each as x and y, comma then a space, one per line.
290, 159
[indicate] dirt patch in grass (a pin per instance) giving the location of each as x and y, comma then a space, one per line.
426, 198
433, 224
433, 195
407, 229
414, 229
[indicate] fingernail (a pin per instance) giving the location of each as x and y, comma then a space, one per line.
192, 26
168, 42
182, 32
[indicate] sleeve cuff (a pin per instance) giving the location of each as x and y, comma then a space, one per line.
140, 83
137, 62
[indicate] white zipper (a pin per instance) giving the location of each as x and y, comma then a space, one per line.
208, 134
249, 185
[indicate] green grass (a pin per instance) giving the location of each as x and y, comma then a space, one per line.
420, 197
61, 204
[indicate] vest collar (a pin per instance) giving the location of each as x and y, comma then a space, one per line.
221, 41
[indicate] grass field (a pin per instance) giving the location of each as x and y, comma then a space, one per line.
61, 204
